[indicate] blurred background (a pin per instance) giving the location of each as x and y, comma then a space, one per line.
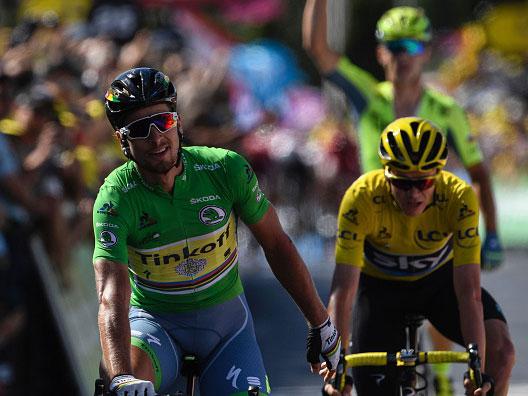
244, 83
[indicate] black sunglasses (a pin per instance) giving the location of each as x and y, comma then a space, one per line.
407, 184
140, 129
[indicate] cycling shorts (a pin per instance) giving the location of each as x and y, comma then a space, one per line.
379, 320
221, 337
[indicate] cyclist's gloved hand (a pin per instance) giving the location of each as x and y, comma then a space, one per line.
488, 384
128, 385
491, 252
323, 340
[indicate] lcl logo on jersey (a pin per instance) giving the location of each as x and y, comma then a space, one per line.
424, 238
210, 215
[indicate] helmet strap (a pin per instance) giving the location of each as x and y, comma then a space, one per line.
125, 147
180, 134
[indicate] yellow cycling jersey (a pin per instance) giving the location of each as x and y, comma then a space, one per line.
374, 234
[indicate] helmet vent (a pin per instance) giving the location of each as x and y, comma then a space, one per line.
432, 165
435, 150
394, 147
444, 154
413, 155
398, 165
383, 152
424, 141
414, 126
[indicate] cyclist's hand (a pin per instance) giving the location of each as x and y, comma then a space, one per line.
128, 385
330, 390
471, 390
323, 340
491, 255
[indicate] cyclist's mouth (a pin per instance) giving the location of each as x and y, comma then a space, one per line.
159, 152
411, 207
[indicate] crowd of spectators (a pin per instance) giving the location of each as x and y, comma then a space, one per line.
56, 145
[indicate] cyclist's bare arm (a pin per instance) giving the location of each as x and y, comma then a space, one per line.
466, 279
344, 287
288, 266
315, 36
480, 177
113, 291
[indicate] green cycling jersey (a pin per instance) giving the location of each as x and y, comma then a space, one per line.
373, 102
180, 248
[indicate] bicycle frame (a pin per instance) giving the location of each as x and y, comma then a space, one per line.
409, 358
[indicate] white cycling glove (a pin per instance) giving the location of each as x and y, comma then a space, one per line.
128, 385
324, 340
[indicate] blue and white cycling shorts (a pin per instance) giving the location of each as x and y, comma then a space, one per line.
221, 337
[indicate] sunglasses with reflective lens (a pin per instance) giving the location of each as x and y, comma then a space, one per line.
411, 47
421, 184
140, 129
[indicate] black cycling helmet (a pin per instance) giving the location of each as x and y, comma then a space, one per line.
137, 88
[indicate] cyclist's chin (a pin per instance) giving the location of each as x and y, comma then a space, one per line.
161, 166
412, 208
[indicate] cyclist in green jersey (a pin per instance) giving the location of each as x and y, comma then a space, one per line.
403, 35
166, 255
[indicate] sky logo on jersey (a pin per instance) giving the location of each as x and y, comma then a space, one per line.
210, 215
108, 209
406, 265
107, 238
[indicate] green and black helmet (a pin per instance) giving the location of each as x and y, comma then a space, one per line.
404, 23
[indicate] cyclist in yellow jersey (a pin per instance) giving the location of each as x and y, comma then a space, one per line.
403, 34
408, 242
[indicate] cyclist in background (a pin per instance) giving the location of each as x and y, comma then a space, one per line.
166, 255
404, 34
407, 243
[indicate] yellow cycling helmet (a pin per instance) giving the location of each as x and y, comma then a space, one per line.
404, 23
413, 144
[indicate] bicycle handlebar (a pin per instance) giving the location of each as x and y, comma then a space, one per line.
410, 359
400, 359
